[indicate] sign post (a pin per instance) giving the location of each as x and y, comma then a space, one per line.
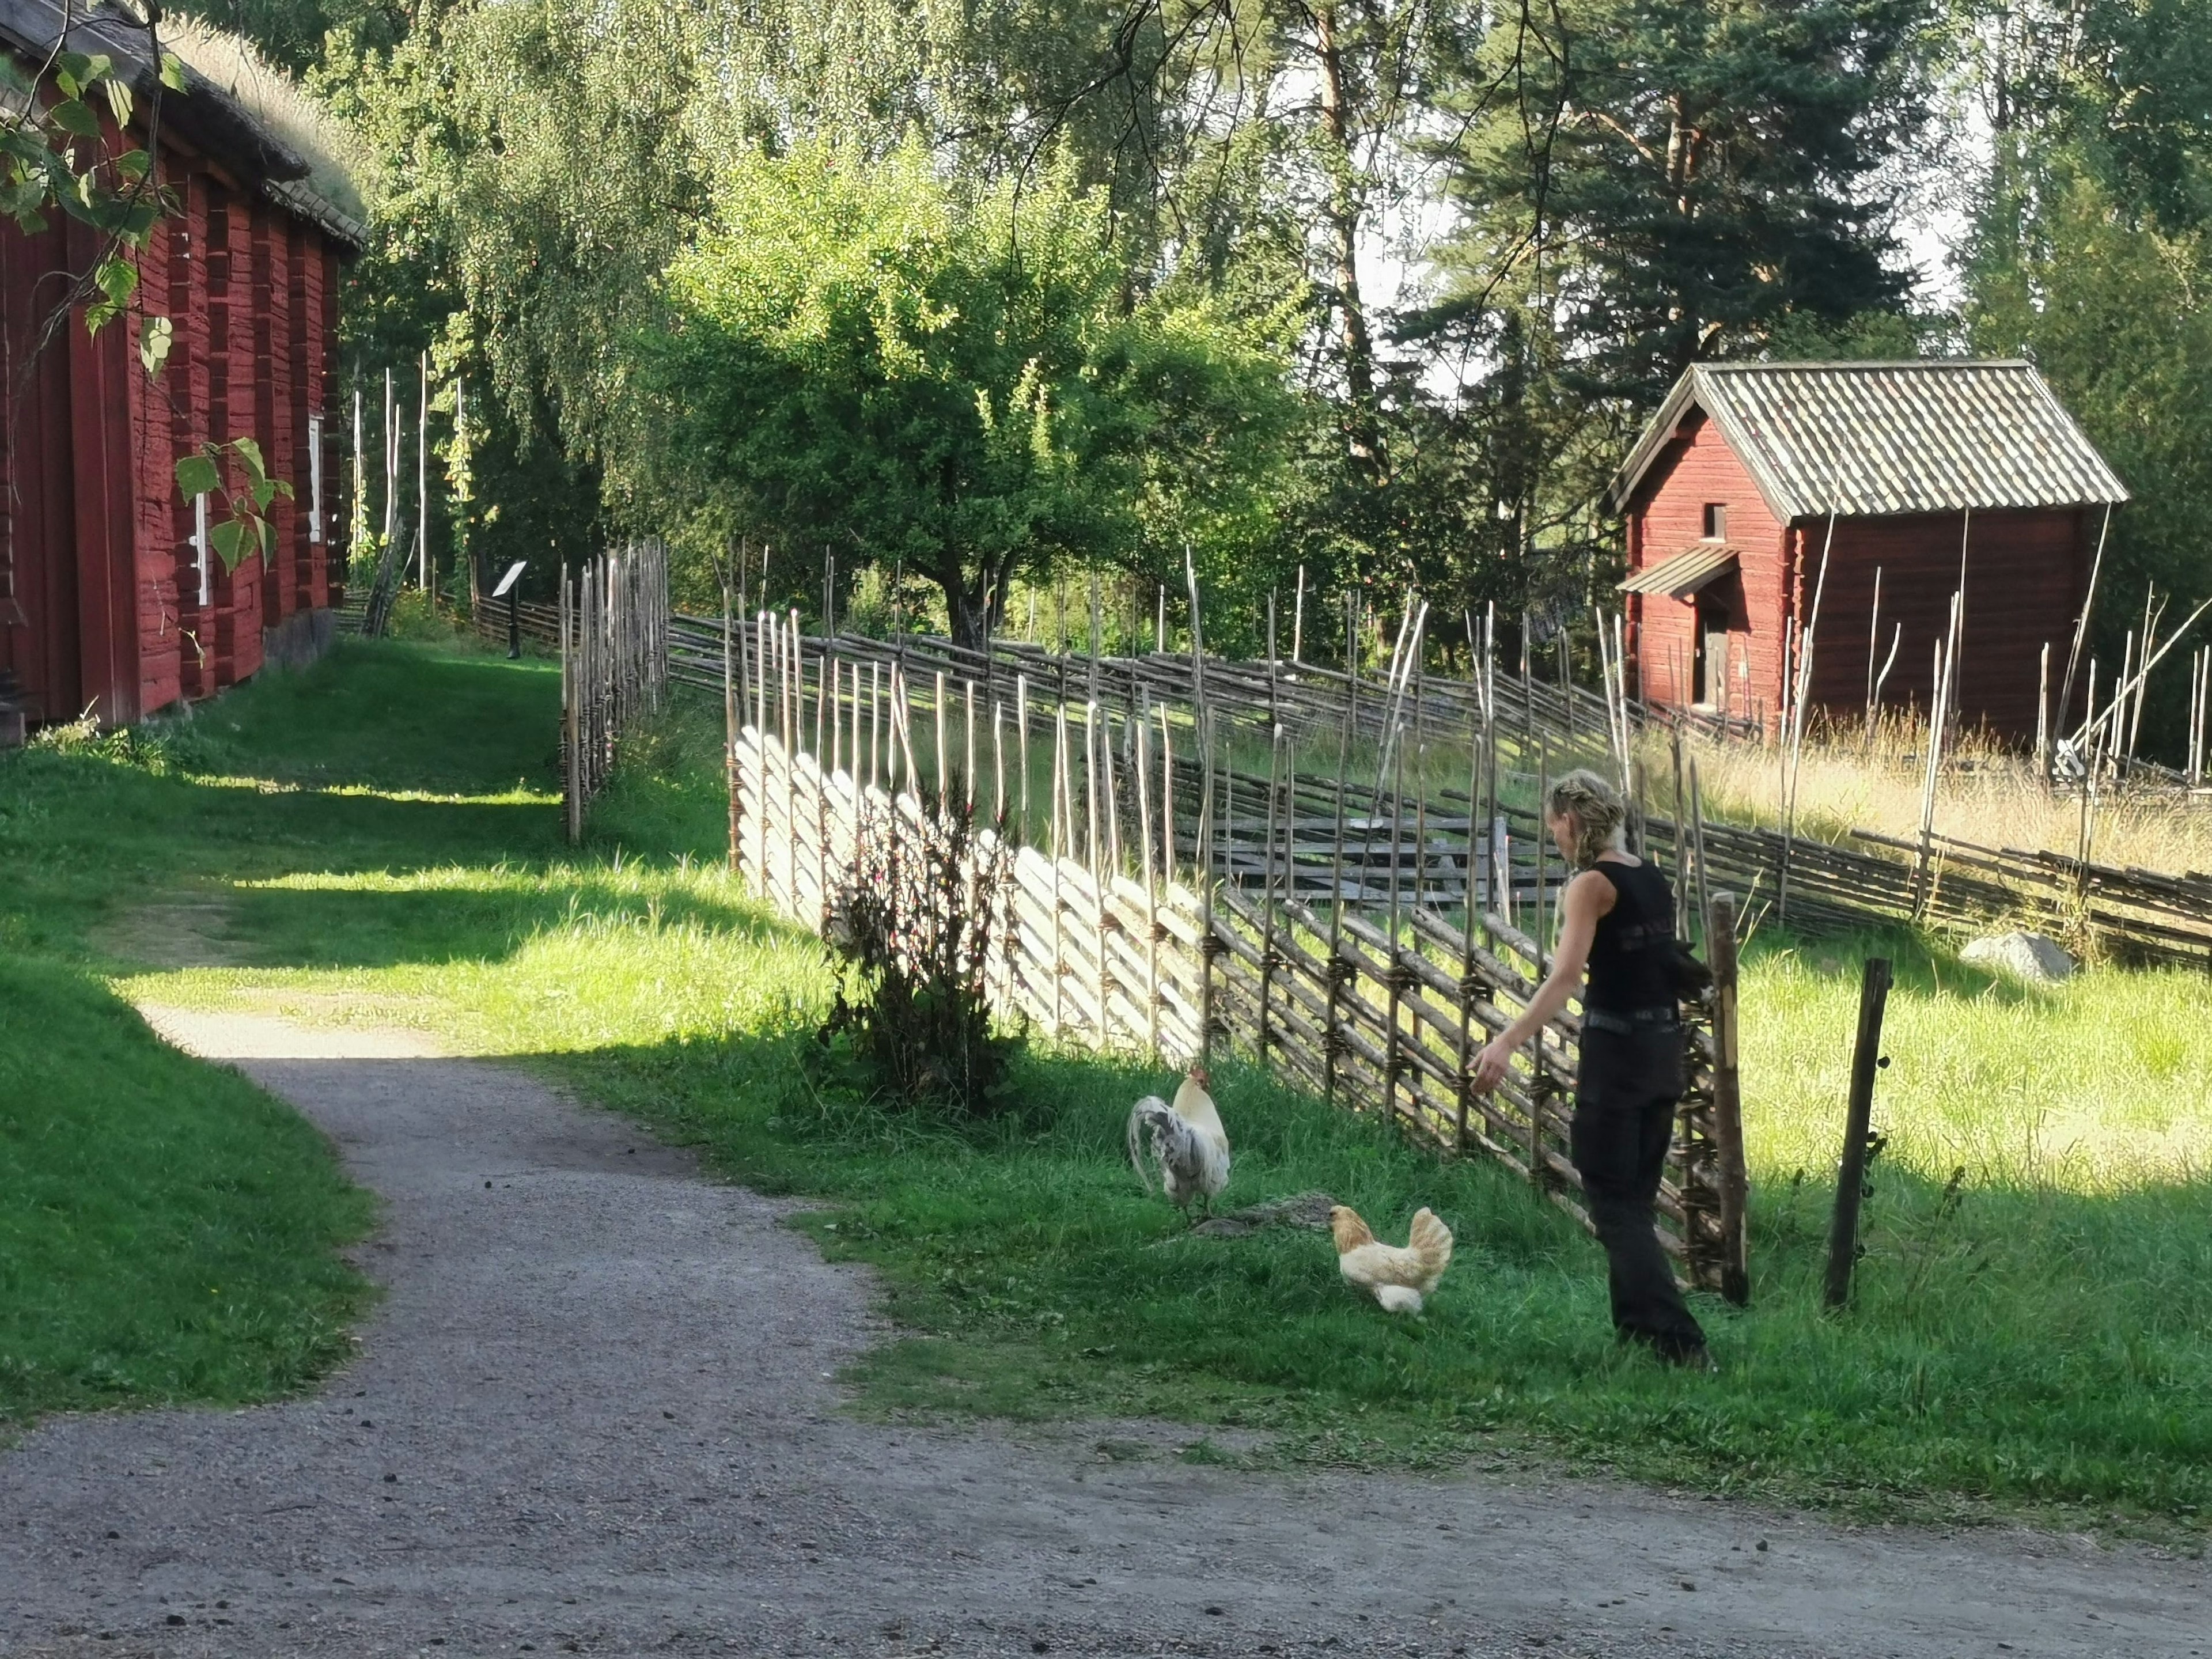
510, 589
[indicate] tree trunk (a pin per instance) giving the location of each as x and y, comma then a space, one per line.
968, 605
1343, 215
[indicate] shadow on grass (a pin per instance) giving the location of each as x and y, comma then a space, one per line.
1038, 1280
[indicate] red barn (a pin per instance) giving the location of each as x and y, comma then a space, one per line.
110, 598
1929, 477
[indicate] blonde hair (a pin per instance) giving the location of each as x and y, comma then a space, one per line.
1595, 807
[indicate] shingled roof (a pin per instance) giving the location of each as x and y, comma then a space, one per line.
1879, 438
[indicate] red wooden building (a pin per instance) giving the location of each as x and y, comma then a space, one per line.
1926, 475
110, 599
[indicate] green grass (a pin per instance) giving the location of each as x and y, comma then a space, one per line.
167, 1231
2036, 1341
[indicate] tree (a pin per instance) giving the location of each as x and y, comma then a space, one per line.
860, 353
1671, 181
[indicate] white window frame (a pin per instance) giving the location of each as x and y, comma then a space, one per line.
200, 546
315, 477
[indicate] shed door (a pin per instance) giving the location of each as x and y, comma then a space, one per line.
1709, 685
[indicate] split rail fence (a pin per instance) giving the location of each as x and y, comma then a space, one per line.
1813, 886
1160, 903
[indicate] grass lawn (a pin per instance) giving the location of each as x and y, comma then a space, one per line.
380, 834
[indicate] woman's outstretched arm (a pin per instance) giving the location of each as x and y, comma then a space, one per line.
1589, 897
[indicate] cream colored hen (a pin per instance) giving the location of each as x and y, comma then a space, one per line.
1189, 1147
1397, 1276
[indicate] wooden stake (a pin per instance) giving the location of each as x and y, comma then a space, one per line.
730, 725
1860, 1142
1728, 1102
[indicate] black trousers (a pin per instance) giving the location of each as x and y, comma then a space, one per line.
1624, 1096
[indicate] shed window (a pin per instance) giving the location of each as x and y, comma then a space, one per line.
1715, 521
315, 477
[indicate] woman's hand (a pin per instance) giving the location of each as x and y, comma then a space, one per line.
1491, 1064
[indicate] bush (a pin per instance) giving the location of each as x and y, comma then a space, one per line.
909, 931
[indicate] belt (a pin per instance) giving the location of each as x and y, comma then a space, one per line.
1627, 1022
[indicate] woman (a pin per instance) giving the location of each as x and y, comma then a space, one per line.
1617, 919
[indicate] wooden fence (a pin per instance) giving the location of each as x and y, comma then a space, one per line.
612, 622
1813, 886
1144, 915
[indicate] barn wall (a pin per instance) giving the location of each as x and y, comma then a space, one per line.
1667, 516
239, 598
106, 611
38, 636
2024, 576
152, 413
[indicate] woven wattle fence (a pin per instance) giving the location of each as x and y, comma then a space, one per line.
1159, 904
612, 623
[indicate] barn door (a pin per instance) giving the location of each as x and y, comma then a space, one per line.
1710, 683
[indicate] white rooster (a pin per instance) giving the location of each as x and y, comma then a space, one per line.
1188, 1143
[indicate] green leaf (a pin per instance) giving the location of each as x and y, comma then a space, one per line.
249, 453
73, 115
263, 491
228, 538
118, 278
134, 165
173, 71
156, 335
196, 475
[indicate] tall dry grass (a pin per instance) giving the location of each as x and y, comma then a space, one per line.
1987, 795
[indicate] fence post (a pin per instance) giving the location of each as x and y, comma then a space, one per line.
730, 729
1728, 1102
1860, 1141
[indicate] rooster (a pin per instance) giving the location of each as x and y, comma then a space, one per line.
1397, 1278
1188, 1143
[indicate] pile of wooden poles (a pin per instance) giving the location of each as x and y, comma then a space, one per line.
613, 625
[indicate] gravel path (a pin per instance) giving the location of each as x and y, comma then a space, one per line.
596, 1414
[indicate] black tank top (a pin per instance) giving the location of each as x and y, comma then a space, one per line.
1629, 966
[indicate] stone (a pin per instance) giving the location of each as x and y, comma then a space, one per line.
2030, 957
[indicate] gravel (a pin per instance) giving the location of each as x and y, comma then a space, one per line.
597, 1413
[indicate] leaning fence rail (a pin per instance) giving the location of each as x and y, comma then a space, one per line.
1160, 902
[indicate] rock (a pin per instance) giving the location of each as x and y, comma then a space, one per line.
1307, 1209
2030, 957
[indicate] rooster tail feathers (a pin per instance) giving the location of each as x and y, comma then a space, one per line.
1431, 1241
1150, 1112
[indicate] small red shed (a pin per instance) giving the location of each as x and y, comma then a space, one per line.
110, 599
1928, 477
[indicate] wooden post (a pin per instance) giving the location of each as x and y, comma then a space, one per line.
1860, 1141
1538, 1087
1331, 1040
730, 726
1152, 888
1728, 1102
1021, 745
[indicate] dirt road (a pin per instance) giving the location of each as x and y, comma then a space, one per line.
596, 1414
